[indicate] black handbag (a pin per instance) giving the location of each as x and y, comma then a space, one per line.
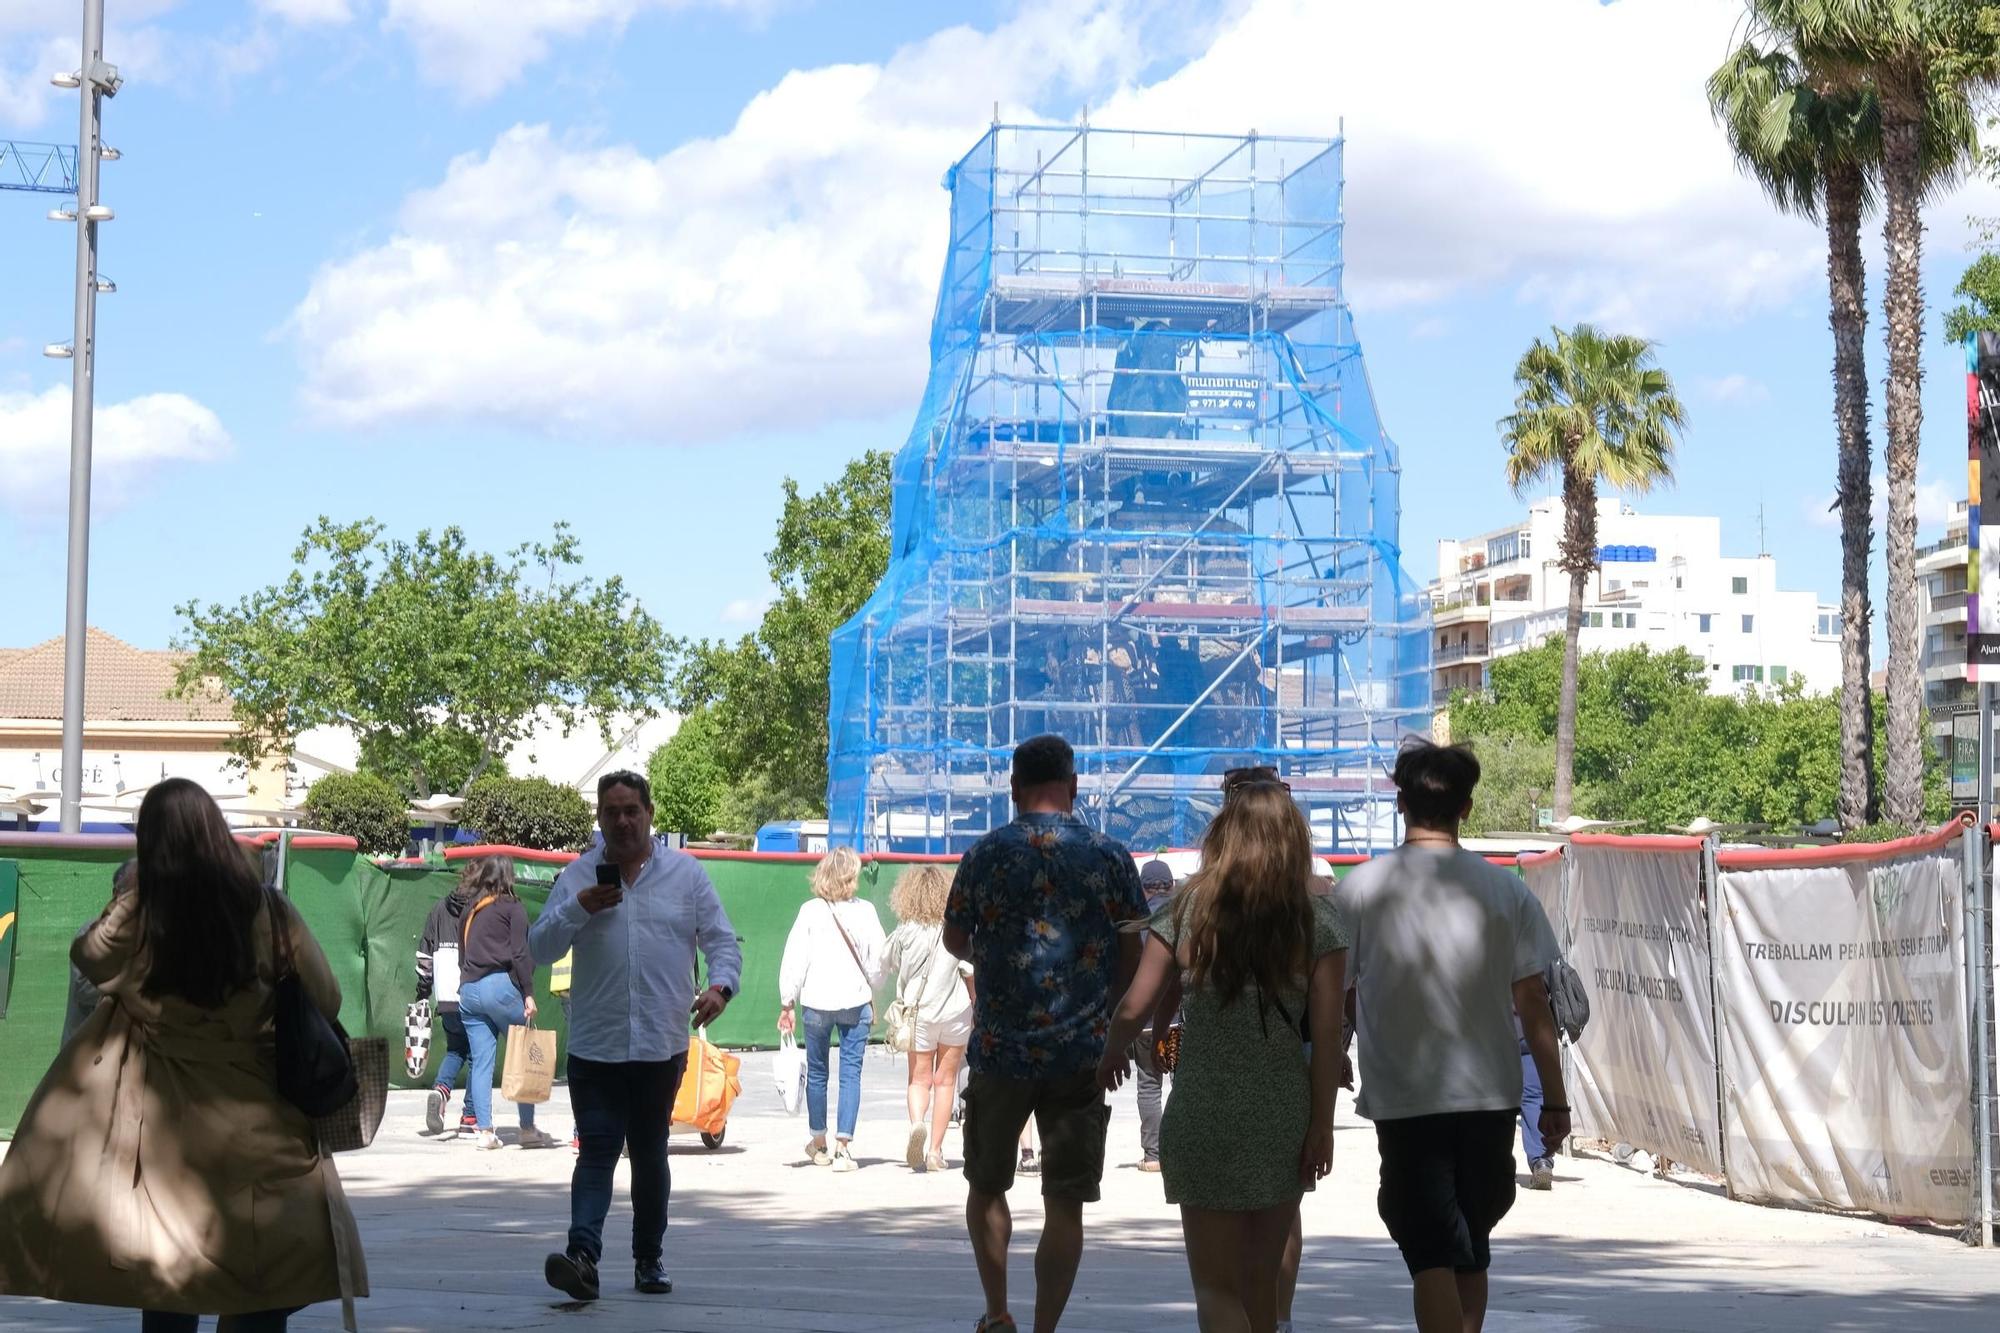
315, 1072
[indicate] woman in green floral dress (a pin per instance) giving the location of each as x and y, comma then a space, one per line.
1250, 1124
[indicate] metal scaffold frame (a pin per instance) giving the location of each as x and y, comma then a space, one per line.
1146, 504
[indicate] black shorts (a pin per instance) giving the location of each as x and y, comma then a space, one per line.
1070, 1112
1447, 1180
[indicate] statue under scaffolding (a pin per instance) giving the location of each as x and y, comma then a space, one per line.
1147, 504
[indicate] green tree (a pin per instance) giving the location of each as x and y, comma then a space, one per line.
527, 812
690, 785
1516, 773
1814, 150
1923, 60
769, 690
1591, 409
361, 806
430, 652
1979, 306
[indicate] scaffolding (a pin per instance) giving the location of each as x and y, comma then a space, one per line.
1146, 504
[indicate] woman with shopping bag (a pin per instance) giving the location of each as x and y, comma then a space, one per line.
496, 990
831, 967
158, 1167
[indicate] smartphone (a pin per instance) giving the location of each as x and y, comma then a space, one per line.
609, 878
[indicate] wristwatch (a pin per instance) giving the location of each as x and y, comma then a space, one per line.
727, 994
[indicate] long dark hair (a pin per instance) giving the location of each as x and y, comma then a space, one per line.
198, 897
1245, 918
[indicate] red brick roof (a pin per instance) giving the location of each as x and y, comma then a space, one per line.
121, 684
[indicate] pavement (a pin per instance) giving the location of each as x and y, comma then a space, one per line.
760, 1241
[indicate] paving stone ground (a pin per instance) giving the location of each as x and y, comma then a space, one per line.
761, 1242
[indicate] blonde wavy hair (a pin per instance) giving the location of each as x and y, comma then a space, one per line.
837, 875
919, 895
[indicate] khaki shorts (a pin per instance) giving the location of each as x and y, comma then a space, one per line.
930, 1036
1071, 1114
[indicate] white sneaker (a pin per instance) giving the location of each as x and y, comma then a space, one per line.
914, 1152
843, 1160
486, 1141
1541, 1174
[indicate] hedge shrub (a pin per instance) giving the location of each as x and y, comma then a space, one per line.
363, 807
527, 812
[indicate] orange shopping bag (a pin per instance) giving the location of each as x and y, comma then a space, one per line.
708, 1088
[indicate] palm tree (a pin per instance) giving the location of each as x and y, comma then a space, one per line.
1813, 149
1593, 409
1922, 59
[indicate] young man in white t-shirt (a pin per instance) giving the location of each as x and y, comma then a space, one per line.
1447, 948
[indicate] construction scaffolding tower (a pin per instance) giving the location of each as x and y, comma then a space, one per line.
1147, 504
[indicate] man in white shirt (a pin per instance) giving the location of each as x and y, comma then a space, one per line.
634, 932
1447, 948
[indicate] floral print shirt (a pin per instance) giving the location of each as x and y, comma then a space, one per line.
1042, 900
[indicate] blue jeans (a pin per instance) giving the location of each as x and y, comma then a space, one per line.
457, 1049
488, 1007
618, 1105
850, 1028
1531, 1107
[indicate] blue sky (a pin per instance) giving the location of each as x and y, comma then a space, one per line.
628, 262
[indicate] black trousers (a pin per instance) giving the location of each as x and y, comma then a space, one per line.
616, 1105
263, 1321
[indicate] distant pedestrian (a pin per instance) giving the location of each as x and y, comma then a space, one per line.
634, 912
496, 989
1541, 1161
1036, 908
1447, 948
1156, 881
438, 965
157, 1167
831, 967
83, 993
1250, 1126
937, 987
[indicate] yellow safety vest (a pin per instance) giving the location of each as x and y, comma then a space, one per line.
559, 974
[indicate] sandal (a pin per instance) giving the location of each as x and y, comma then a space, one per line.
987, 1321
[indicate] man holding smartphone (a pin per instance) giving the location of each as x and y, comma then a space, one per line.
634, 914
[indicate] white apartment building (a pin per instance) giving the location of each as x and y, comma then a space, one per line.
1661, 580
1942, 567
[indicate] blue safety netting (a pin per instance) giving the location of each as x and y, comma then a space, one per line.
1147, 504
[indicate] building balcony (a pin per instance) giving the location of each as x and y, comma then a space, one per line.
1943, 555
1947, 665
1459, 652
1460, 612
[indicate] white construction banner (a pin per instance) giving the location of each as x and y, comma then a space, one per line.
1844, 1035
1644, 1072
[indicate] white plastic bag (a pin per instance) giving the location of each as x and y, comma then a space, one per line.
788, 1073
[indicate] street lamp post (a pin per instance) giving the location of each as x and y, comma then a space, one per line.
95, 80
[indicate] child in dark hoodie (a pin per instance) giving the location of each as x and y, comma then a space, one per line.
438, 975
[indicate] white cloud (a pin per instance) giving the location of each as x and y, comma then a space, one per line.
1937, 501
783, 272
308, 12
1733, 389
477, 47
130, 440
745, 611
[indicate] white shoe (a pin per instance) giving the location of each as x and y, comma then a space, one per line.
486, 1141
914, 1152
1541, 1174
843, 1160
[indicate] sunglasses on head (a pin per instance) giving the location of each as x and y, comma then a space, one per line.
1262, 775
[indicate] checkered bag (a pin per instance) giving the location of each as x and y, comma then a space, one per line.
417, 1038
353, 1126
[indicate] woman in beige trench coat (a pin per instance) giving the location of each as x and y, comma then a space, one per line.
156, 1166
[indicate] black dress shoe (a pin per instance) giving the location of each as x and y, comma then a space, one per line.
650, 1276
573, 1274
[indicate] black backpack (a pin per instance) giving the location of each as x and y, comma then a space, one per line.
1568, 1000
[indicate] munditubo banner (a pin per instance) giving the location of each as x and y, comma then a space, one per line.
1982, 432
1645, 1068
1844, 1037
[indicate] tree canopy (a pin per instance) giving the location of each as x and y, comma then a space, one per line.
690, 787
441, 659
1653, 744
768, 690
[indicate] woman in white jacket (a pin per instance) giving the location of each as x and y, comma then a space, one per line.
832, 965
938, 989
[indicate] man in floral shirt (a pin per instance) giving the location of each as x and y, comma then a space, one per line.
1036, 908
